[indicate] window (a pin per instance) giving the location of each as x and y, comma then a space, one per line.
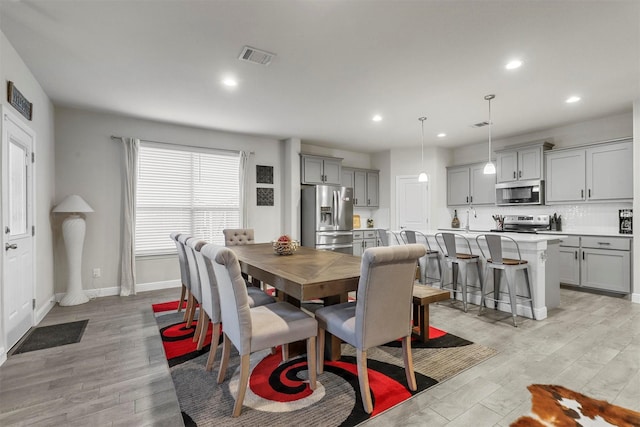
188, 190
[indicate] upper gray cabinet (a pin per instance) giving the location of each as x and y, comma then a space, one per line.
365, 184
598, 172
320, 170
467, 184
523, 162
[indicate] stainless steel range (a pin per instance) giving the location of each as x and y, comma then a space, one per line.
526, 223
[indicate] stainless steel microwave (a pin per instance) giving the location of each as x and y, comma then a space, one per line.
520, 193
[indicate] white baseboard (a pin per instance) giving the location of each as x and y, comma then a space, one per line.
46, 308
635, 298
3, 355
115, 290
154, 286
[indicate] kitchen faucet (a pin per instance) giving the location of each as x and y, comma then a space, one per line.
475, 215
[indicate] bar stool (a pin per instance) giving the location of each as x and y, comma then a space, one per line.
411, 236
459, 262
509, 266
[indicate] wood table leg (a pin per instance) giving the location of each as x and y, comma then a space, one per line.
424, 322
332, 349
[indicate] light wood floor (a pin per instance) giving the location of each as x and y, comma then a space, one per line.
117, 375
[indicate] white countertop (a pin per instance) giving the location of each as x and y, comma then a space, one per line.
518, 237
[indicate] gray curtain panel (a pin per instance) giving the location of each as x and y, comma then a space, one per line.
128, 258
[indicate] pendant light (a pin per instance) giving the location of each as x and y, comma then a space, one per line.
489, 168
423, 175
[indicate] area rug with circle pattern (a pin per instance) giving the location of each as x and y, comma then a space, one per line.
277, 394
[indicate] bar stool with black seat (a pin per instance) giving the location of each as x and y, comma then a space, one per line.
412, 236
459, 261
497, 262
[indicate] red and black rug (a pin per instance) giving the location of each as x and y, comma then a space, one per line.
277, 394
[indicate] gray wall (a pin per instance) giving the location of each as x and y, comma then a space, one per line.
88, 162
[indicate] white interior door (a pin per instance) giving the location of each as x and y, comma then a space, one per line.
412, 203
17, 186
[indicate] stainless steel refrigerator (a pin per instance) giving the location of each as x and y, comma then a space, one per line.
327, 218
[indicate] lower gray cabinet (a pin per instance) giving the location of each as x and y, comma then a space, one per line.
602, 263
363, 239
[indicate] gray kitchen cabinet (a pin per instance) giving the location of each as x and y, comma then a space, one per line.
600, 172
566, 170
467, 184
523, 162
365, 184
602, 263
569, 257
610, 171
320, 170
364, 239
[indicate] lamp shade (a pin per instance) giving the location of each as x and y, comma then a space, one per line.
73, 203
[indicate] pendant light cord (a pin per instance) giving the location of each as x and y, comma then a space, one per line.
489, 98
422, 119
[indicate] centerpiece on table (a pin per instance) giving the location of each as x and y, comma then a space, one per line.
285, 245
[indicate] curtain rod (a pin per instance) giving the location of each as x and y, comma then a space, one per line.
183, 145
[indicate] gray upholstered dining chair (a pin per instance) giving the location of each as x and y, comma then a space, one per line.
412, 236
184, 272
238, 236
252, 329
194, 281
210, 304
381, 312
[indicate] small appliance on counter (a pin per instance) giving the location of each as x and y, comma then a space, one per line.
369, 222
626, 221
525, 223
556, 222
356, 221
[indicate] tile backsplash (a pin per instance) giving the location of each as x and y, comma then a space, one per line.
578, 217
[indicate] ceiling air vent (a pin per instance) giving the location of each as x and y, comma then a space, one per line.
257, 56
479, 125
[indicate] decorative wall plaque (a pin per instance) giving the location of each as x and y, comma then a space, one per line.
264, 196
18, 101
264, 174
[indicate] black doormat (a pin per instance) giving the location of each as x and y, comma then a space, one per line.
52, 336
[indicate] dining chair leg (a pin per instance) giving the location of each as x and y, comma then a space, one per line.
224, 359
320, 351
311, 362
203, 331
182, 295
187, 309
242, 384
408, 363
192, 311
363, 380
199, 325
215, 337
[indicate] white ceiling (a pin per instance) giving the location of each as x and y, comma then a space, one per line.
338, 63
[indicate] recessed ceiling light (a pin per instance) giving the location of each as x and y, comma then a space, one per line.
572, 99
376, 118
442, 135
230, 82
512, 65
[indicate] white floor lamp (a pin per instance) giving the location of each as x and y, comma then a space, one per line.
73, 228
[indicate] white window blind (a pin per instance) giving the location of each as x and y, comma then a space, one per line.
185, 190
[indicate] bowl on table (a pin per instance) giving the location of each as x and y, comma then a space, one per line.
285, 248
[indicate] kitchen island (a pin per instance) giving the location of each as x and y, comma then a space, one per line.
542, 253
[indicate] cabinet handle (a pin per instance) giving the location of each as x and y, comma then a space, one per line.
576, 253
589, 193
467, 199
583, 255
471, 199
582, 194
514, 174
604, 243
368, 201
519, 174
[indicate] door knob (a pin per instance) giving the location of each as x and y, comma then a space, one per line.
8, 246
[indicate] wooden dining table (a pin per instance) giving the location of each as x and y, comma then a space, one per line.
305, 275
